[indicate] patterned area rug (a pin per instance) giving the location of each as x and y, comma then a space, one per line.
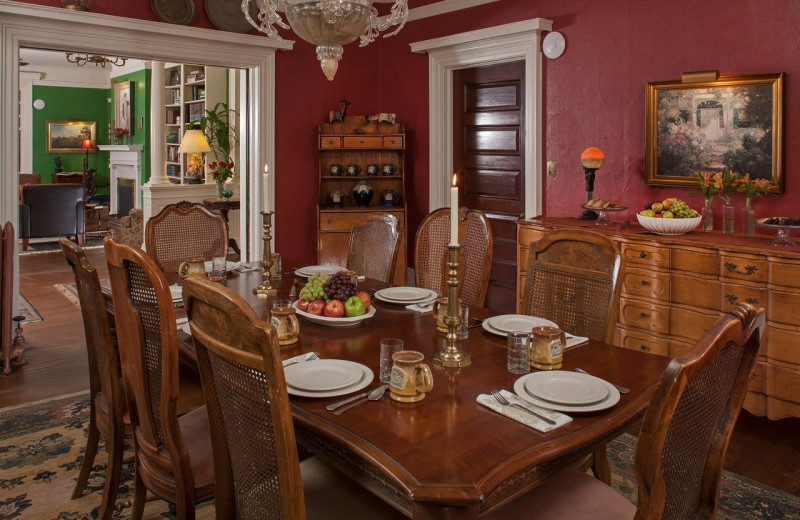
42, 444
50, 247
69, 291
28, 310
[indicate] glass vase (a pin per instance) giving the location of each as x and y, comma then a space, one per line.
708, 215
748, 219
220, 190
728, 217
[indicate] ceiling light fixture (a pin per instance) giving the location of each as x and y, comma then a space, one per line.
96, 59
328, 24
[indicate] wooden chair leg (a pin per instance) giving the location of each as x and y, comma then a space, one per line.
600, 466
80, 238
116, 446
25, 242
139, 494
88, 455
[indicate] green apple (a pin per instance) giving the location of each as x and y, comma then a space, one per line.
667, 214
354, 306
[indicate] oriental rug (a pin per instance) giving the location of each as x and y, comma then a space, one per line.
42, 445
27, 310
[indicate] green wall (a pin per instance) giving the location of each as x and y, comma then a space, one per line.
65, 103
141, 109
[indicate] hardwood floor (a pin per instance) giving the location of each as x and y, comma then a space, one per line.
762, 450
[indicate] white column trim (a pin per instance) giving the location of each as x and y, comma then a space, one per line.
500, 44
158, 119
26, 81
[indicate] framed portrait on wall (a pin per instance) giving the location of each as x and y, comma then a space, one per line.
734, 123
123, 106
68, 136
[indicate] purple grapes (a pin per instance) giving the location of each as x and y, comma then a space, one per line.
340, 287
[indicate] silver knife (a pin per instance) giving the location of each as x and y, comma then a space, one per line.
356, 397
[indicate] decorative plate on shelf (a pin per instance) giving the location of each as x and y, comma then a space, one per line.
180, 12
227, 15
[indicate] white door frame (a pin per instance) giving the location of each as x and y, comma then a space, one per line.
500, 44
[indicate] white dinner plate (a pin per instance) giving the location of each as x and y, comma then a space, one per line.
324, 375
405, 295
177, 292
229, 266
608, 402
505, 323
307, 271
568, 388
336, 322
368, 376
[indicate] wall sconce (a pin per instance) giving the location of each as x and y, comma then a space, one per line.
194, 144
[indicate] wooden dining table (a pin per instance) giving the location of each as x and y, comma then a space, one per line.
447, 456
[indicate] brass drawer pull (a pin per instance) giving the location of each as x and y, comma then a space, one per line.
731, 298
645, 282
751, 300
642, 255
749, 270
643, 347
643, 314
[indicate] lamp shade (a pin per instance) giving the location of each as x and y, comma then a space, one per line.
87, 144
194, 141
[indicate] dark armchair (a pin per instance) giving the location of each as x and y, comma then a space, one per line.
51, 210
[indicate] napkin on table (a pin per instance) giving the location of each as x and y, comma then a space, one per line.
297, 359
422, 307
574, 341
512, 412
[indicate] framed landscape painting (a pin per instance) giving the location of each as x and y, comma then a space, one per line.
734, 123
67, 136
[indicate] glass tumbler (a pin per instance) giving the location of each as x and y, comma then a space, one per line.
517, 358
388, 347
284, 320
463, 329
218, 265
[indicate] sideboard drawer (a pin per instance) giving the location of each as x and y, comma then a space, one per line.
345, 220
327, 141
393, 141
690, 323
635, 340
784, 273
647, 255
645, 316
695, 291
361, 141
700, 261
751, 268
782, 344
734, 294
783, 307
783, 383
647, 284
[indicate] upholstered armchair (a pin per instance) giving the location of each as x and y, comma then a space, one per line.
51, 210
129, 230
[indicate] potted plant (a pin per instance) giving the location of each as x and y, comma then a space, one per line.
219, 126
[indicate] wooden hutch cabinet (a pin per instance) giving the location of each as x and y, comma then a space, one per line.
674, 288
345, 144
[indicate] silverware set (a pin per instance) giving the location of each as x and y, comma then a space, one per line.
311, 357
504, 402
370, 395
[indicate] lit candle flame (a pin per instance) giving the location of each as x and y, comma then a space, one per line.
454, 179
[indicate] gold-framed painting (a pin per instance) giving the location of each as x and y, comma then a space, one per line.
123, 106
734, 123
68, 136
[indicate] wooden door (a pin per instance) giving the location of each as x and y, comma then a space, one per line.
489, 153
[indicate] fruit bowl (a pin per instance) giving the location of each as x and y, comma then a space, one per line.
335, 322
669, 226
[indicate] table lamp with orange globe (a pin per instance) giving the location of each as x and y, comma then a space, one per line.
591, 159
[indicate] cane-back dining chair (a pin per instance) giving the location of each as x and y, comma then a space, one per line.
573, 280
184, 231
106, 398
683, 440
248, 408
373, 247
173, 454
430, 253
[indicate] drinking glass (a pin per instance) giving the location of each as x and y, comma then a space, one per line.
463, 329
218, 267
284, 320
517, 358
276, 271
388, 347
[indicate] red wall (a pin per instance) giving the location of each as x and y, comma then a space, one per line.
594, 93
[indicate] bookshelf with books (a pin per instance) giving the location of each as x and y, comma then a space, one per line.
190, 90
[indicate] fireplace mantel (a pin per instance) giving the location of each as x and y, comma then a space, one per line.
125, 161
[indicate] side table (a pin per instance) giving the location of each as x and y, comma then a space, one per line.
224, 206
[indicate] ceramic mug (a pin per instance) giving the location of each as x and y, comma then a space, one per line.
336, 170
373, 169
546, 350
389, 169
410, 378
196, 267
353, 170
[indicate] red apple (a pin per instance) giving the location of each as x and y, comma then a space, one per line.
316, 307
334, 309
365, 297
303, 304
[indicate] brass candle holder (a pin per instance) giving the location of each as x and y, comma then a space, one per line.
266, 263
451, 356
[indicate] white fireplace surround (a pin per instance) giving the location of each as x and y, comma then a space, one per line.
125, 161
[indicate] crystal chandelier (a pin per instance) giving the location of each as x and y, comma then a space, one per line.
328, 24
95, 58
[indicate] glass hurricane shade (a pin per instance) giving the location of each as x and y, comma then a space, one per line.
328, 24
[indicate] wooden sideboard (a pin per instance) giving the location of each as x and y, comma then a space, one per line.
674, 288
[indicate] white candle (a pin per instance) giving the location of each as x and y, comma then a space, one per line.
265, 187
454, 213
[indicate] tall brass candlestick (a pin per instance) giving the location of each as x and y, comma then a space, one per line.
451, 355
266, 263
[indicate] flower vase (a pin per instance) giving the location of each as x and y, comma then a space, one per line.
748, 219
728, 217
708, 215
220, 190
117, 139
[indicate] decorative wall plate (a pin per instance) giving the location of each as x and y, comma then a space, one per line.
180, 12
227, 15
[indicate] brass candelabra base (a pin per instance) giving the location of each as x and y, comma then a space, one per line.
451, 356
265, 288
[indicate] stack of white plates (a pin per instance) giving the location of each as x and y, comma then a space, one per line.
506, 323
177, 293
326, 377
405, 295
566, 391
310, 270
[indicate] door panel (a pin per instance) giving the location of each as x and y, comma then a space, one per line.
489, 153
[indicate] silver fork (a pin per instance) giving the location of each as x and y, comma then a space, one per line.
312, 357
503, 401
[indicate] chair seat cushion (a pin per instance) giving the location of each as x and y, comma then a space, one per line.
331, 495
196, 433
569, 494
